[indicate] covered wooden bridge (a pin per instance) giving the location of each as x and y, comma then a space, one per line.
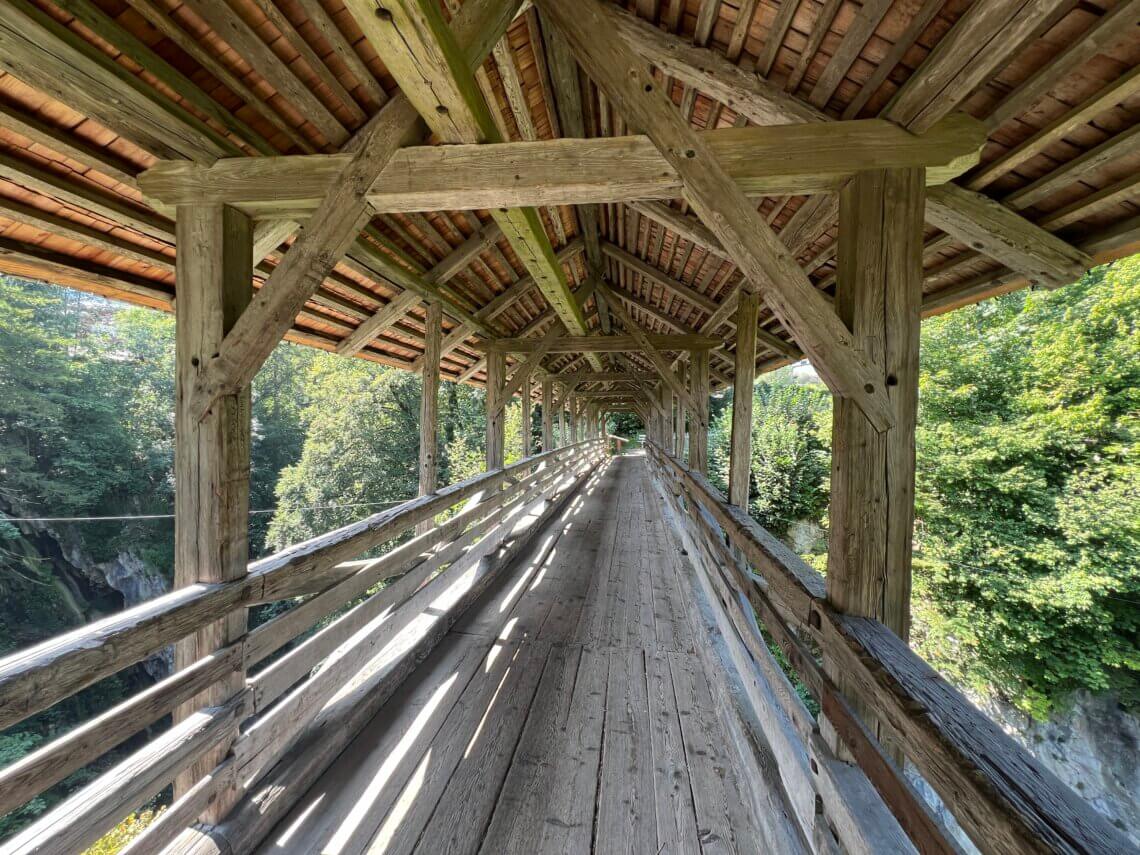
600, 207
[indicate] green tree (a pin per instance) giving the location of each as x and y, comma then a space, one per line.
1028, 578
790, 455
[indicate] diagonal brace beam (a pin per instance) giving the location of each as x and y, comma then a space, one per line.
721, 205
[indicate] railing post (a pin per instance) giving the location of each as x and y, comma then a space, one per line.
547, 415
429, 405
699, 421
563, 403
740, 455
214, 269
496, 378
878, 296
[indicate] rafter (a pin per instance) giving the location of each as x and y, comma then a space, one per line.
725, 210
424, 57
766, 105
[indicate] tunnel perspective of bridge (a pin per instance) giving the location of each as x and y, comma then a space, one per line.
603, 209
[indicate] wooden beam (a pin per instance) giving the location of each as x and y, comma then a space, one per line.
993, 229
1116, 91
429, 407
76, 148
245, 40
575, 377
1113, 27
211, 454
424, 57
763, 161
534, 358
740, 447
981, 41
339, 219
44, 53
456, 260
656, 277
646, 344
602, 344
725, 209
761, 103
567, 97
688, 227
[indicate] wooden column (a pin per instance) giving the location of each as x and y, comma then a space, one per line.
547, 415
214, 270
699, 421
525, 417
740, 454
429, 405
496, 377
562, 438
666, 418
878, 296
679, 419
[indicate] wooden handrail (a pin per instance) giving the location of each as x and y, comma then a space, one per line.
33, 679
494, 500
1004, 799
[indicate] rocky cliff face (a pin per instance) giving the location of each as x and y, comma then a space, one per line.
1092, 745
78, 588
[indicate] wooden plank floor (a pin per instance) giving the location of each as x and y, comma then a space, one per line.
565, 712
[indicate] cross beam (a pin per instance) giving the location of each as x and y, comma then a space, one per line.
764, 161
601, 344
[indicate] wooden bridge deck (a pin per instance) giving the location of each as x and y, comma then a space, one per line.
567, 711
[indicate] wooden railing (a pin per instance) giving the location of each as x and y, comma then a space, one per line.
327, 682
1001, 796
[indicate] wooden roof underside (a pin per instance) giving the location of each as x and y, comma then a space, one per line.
260, 77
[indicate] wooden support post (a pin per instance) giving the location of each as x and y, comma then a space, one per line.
214, 270
496, 377
562, 439
524, 421
699, 419
879, 297
740, 459
547, 415
679, 417
429, 405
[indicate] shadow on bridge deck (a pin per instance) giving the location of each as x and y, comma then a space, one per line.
566, 711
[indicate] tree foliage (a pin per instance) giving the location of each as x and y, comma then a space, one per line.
1028, 479
1027, 563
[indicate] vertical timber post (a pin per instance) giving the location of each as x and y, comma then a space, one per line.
699, 421
667, 417
214, 270
879, 297
496, 377
429, 406
679, 419
524, 418
547, 415
563, 403
740, 454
